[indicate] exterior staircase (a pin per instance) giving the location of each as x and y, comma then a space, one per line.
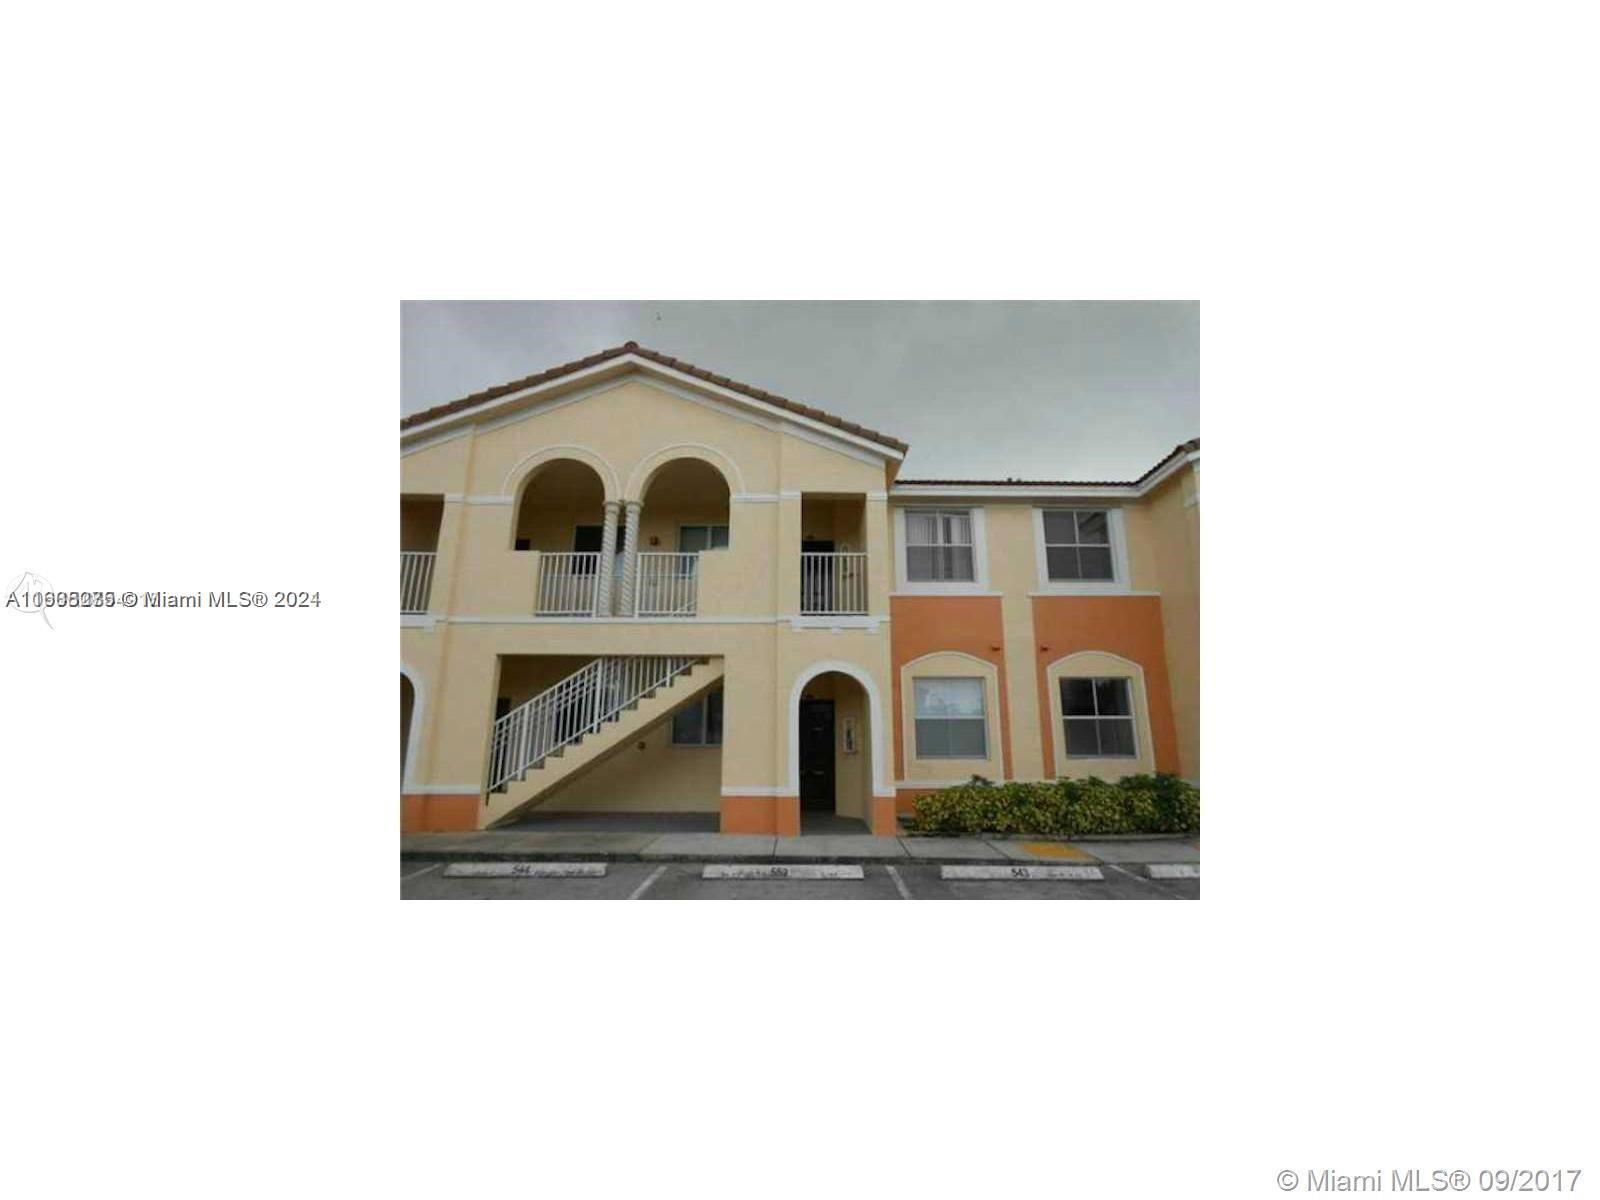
571, 726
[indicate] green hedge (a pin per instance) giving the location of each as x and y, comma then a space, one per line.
1063, 808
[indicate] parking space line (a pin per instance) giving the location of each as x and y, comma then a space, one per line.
779, 871
1015, 870
524, 870
424, 871
900, 884
1143, 882
648, 881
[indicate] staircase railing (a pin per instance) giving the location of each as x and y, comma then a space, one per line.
574, 708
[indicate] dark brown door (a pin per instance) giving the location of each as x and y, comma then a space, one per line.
816, 755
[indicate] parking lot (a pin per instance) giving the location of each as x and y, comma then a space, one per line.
879, 881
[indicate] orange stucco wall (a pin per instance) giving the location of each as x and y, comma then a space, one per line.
423, 813
1126, 625
926, 624
761, 814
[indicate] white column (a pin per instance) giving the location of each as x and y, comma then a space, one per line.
630, 554
608, 554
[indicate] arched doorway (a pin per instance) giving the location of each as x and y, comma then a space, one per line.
833, 748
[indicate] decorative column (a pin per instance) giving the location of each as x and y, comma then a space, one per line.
630, 554
608, 556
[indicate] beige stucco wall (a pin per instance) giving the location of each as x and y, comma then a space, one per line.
1173, 516
649, 774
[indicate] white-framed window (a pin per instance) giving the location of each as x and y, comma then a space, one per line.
949, 716
1081, 549
692, 538
1097, 713
939, 546
700, 723
1077, 545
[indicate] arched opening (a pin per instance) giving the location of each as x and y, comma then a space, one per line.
562, 508
683, 514
408, 708
834, 746
561, 513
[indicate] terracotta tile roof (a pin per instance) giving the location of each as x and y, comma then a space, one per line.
1188, 447
733, 385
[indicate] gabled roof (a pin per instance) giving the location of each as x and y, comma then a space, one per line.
1182, 449
665, 360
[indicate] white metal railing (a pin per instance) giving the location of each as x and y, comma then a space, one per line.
568, 583
416, 580
666, 585
833, 584
577, 706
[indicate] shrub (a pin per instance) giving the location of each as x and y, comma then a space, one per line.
1065, 808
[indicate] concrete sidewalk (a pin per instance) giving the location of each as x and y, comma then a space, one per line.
517, 846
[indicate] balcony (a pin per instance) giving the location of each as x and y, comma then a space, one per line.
416, 580
833, 584
569, 584
667, 585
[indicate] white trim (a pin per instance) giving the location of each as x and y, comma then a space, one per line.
963, 592
922, 492
524, 619
408, 769
880, 785
755, 791
643, 472
446, 789
979, 586
1120, 583
755, 498
424, 621
516, 479
827, 622
487, 500
1102, 591
603, 373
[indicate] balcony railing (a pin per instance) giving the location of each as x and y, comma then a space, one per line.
416, 580
833, 584
567, 584
667, 585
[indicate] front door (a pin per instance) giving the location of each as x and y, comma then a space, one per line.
816, 755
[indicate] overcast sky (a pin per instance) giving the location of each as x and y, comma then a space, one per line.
1071, 390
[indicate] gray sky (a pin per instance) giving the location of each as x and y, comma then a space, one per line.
1035, 390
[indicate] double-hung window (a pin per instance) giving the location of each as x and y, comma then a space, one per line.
692, 538
700, 723
939, 545
1077, 545
949, 716
1098, 714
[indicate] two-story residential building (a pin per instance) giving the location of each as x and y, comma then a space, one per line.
628, 584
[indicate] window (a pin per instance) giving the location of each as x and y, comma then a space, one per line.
939, 545
1098, 714
1077, 545
702, 537
700, 723
949, 714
